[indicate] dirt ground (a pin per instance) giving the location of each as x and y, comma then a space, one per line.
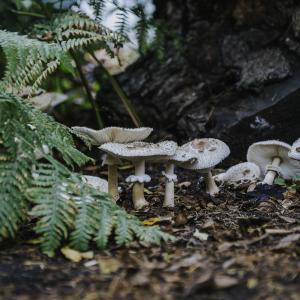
231, 247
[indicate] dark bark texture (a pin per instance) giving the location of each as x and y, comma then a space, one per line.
236, 76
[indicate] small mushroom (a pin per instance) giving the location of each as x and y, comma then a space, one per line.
273, 160
209, 153
138, 153
96, 182
180, 156
114, 135
294, 153
240, 176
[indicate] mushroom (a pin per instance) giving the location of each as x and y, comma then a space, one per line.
96, 182
209, 152
113, 135
294, 153
180, 156
273, 160
240, 176
138, 153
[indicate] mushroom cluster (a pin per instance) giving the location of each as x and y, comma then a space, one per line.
267, 159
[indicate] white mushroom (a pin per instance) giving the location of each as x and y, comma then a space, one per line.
96, 182
294, 153
180, 156
209, 152
137, 153
240, 176
114, 135
273, 160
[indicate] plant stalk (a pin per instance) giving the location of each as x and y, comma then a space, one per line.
119, 91
88, 91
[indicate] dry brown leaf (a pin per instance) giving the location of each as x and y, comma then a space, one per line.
224, 281
108, 265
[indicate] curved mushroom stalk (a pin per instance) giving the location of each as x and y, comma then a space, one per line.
272, 171
211, 187
138, 179
171, 178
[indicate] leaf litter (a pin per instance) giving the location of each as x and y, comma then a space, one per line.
231, 247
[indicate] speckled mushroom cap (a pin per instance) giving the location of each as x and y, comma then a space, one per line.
209, 152
140, 150
294, 153
115, 134
180, 156
239, 175
96, 182
263, 153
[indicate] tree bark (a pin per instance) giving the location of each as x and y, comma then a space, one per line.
236, 58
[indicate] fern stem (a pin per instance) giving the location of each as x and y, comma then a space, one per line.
119, 91
88, 91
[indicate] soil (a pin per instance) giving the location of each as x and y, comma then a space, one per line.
231, 247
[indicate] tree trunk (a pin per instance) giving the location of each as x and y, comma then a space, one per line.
236, 63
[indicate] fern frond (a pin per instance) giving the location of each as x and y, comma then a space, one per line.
54, 207
86, 223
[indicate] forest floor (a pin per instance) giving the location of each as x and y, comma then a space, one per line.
230, 247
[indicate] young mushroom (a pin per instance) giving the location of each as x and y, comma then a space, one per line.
294, 153
113, 135
138, 153
209, 153
241, 176
273, 160
96, 182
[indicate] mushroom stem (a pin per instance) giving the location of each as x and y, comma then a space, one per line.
211, 187
169, 188
113, 181
270, 175
138, 197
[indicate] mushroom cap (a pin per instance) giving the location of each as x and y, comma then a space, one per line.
240, 175
209, 152
96, 182
114, 134
294, 153
140, 150
180, 156
263, 153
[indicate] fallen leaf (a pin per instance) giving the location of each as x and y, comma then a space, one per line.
202, 236
287, 241
71, 254
224, 281
252, 283
87, 255
150, 221
109, 265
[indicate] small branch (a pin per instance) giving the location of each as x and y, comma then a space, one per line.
27, 13
88, 91
119, 91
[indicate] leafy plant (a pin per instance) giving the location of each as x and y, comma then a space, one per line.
65, 208
288, 184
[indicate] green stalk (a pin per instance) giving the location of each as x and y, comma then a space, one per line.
119, 91
88, 91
